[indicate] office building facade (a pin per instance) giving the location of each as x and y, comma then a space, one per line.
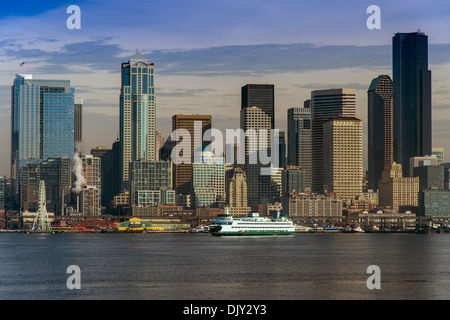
137, 113
431, 177
342, 157
236, 189
42, 120
262, 188
326, 104
436, 203
261, 96
380, 128
182, 172
208, 179
57, 174
151, 183
299, 140
396, 191
317, 207
293, 180
439, 153
412, 98
78, 124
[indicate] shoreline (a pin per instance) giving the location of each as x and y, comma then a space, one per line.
188, 232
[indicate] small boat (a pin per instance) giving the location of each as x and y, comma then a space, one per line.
357, 229
331, 229
347, 229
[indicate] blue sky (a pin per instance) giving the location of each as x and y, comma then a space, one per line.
205, 50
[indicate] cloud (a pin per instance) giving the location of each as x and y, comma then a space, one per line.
93, 54
182, 92
318, 86
242, 60
255, 60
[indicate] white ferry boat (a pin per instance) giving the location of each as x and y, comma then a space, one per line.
253, 225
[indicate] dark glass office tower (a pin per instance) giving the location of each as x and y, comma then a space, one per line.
379, 98
299, 140
412, 97
78, 124
261, 96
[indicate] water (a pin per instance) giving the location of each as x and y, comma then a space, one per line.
202, 267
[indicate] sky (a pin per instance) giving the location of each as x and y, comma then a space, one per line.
204, 51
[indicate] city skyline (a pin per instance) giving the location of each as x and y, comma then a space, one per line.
224, 150
206, 78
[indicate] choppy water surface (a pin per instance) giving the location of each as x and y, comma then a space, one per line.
199, 266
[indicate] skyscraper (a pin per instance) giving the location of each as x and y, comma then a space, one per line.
282, 149
299, 140
90, 196
151, 183
380, 122
412, 97
78, 124
92, 171
430, 177
42, 120
396, 191
182, 173
326, 104
342, 157
57, 174
236, 189
137, 113
262, 188
261, 96
208, 180
293, 180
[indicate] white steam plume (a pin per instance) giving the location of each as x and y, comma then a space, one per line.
78, 169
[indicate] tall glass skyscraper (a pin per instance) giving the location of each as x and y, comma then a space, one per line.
412, 97
42, 120
380, 121
137, 113
58, 124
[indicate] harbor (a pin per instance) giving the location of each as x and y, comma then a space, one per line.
174, 266
136, 226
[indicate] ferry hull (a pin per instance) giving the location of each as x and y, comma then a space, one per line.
251, 233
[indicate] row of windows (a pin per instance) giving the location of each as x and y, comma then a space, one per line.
142, 70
